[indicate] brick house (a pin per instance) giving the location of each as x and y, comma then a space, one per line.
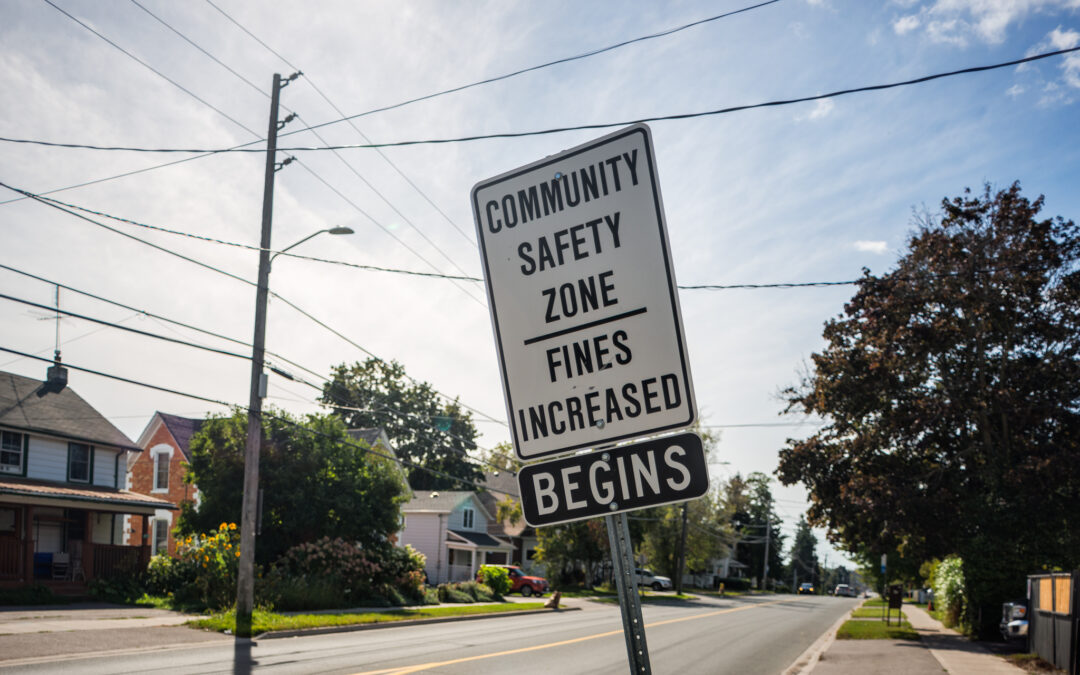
159, 471
63, 508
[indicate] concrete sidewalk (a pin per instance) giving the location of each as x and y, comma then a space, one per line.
938, 649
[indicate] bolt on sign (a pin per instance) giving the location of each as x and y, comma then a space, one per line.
583, 298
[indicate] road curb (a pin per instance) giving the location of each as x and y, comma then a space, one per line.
302, 632
809, 659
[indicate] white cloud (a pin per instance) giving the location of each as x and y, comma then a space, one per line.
1014, 90
959, 21
1070, 67
906, 24
878, 247
821, 109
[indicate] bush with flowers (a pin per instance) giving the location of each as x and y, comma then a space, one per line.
203, 573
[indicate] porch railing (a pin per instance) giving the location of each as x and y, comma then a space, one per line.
11, 552
116, 561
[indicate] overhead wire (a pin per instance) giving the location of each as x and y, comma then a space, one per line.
224, 114
579, 127
264, 413
286, 61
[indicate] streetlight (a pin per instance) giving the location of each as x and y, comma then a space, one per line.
245, 577
331, 230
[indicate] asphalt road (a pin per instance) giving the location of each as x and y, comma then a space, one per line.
732, 635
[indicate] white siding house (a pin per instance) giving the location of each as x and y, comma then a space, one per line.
451, 529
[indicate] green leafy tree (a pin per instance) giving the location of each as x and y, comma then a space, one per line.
316, 483
804, 561
422, 427
951, 387
573, 552
705, 536
749, 505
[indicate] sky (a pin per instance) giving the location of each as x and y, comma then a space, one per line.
811, 192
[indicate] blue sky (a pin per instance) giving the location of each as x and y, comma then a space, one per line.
800, 193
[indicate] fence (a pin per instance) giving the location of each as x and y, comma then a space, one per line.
11, 553
1054, 618
111, 562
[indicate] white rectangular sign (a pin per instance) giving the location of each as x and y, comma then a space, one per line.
583, 298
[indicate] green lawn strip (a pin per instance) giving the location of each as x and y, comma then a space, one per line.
263, 622
876, 630
872, 613
587, 593
875, 602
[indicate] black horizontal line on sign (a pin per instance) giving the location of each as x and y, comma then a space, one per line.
591, 324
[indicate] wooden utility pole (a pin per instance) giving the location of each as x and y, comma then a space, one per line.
765, 572
245, 578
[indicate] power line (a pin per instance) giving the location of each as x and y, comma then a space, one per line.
522, 71
322, 140
580, 127
152, 315
154, 70
197, 397
279, 297
129, 329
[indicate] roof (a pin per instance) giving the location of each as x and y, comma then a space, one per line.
478, 539
500, 485
89, 496
440, 501
26, 405
182, 429
369, 436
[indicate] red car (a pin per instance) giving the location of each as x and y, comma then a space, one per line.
519, 581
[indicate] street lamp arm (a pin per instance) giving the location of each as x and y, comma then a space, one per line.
331, 230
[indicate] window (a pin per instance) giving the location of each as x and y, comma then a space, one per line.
161, 536
467, 517
11, 453
80, 457
161, 471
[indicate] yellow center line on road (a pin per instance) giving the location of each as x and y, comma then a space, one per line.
404, 670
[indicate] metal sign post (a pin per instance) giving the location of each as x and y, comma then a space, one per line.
622, 557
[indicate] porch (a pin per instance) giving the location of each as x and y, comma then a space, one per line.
469, 551
61, 540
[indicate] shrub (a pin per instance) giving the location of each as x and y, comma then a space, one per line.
477, 591
122, 590
203, 573
735, 584
949, 589
450, 593
31, 595
497, 578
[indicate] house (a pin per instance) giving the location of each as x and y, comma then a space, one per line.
521, 535
451, 529
159, 471
62, 506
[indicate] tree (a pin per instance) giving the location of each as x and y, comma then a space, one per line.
315, 482
749, 506
706, 536
573, 552
421, 427
951, 387
804, 560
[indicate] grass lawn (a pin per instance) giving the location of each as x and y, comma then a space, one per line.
263, 622
876, 602
872, 613
876, 630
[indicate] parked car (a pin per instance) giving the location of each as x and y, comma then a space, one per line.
655, 581
1014, 620
844, 591
522, 583
806, 588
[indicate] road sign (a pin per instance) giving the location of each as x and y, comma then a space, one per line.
583, 298
624, 478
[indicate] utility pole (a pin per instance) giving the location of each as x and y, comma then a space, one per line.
245, 578
765, 572
682, 553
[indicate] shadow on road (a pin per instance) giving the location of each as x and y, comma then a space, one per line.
242, 661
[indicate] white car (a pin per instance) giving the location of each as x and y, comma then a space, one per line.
655, 581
